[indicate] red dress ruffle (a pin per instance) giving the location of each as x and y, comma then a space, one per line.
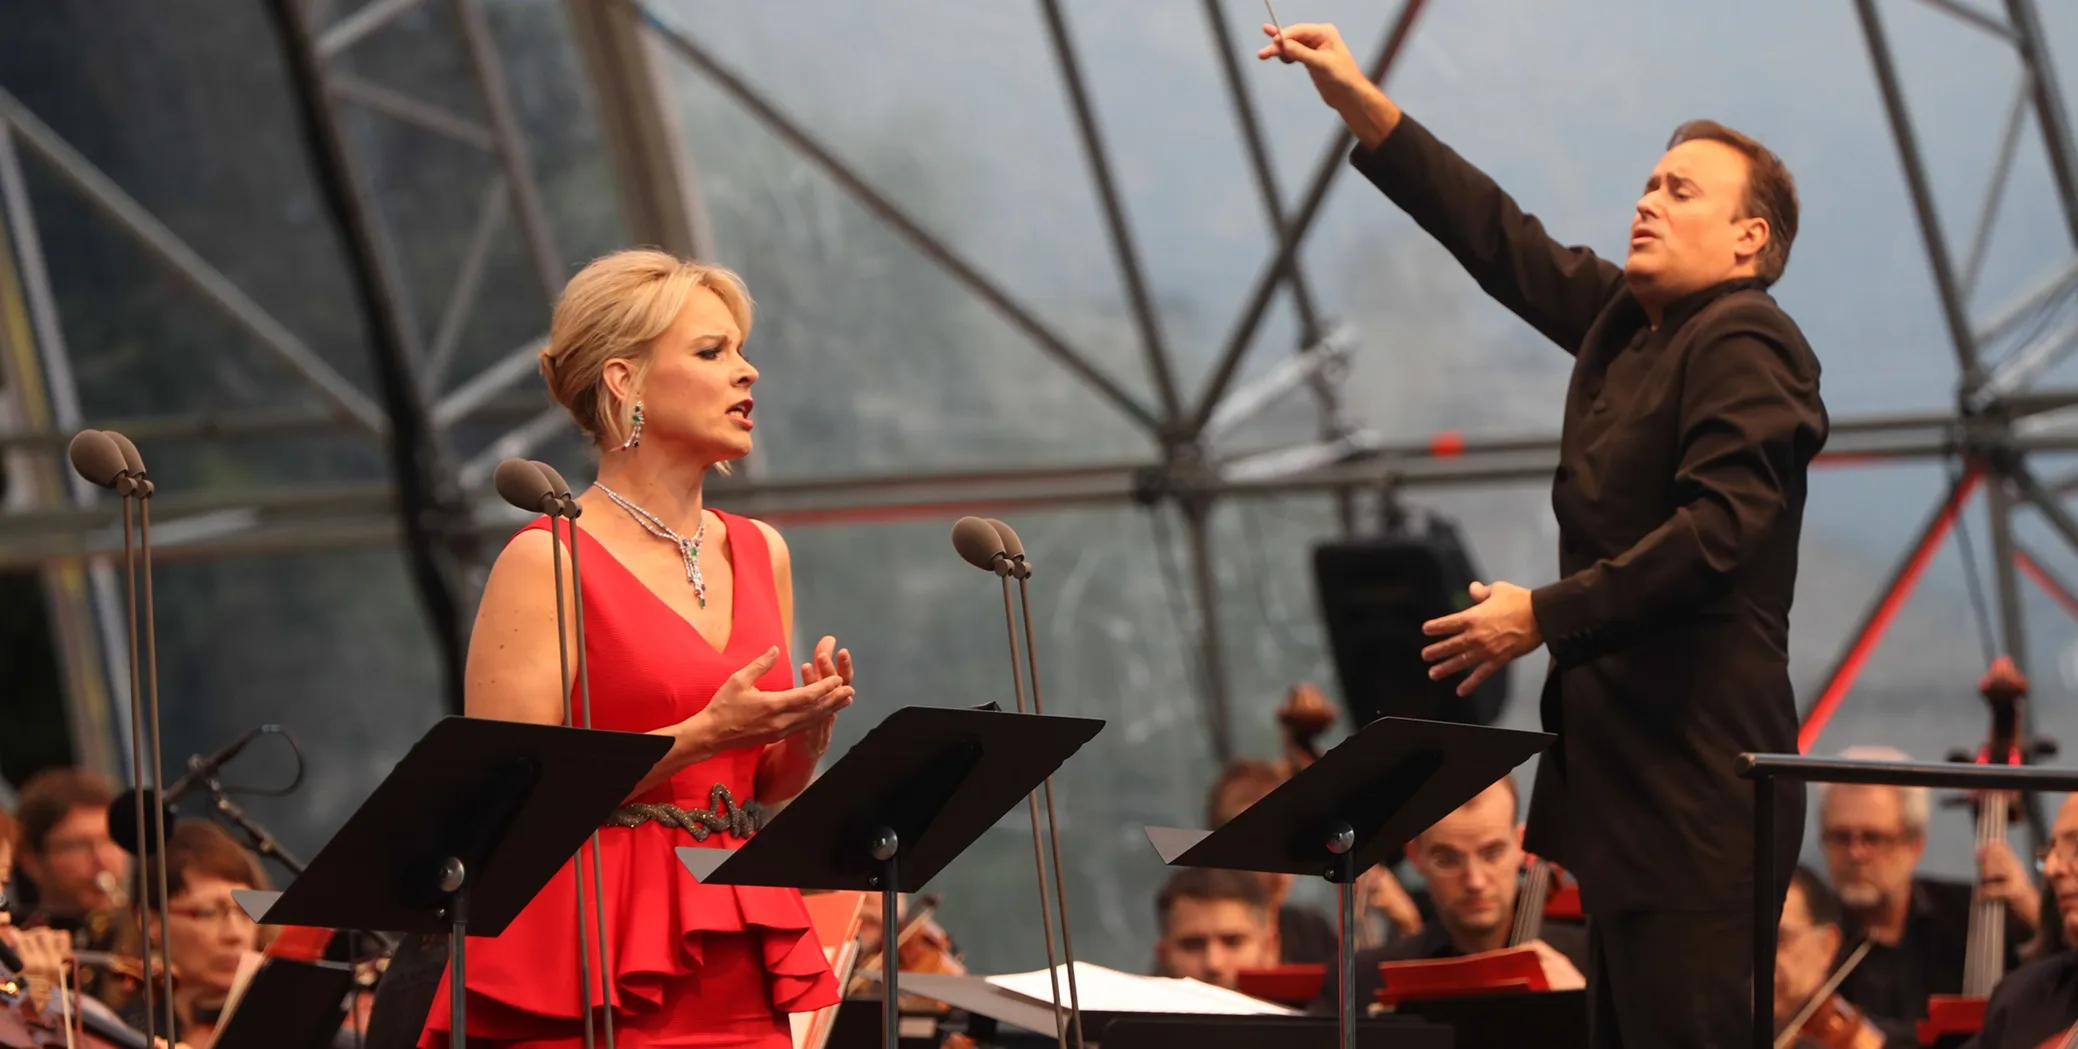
692, 965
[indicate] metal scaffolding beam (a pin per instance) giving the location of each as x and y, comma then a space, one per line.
1998, 423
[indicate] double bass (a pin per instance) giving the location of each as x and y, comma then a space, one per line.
1954, 1016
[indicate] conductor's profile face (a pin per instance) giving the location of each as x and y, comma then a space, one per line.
1691, 228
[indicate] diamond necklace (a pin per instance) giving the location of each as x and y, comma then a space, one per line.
689, 549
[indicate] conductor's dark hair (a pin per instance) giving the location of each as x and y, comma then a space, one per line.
1207, 883
1771, 192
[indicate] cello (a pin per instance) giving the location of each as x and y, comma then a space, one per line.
2004, 688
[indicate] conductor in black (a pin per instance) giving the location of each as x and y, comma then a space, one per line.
1691, 419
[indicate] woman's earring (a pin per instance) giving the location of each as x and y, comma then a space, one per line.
635, 431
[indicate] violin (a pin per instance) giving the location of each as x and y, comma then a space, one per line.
1829, 1021
83, 1022
921, 944
2004, 688
132, 971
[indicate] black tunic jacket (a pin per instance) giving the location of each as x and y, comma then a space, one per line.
1679, 495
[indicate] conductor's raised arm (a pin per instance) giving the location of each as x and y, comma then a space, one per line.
1558, 289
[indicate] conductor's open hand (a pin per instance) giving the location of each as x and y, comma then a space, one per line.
1496, 630
741, 714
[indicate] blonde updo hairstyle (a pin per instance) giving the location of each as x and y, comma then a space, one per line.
614, 309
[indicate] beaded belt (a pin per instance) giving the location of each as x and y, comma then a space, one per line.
723, 818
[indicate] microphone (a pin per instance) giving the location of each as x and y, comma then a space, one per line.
122, 823
533, 485
561, 489
980, 545
9, 961
1015, 550
988, 545
111, 460
97, 458
131, 461
520, 483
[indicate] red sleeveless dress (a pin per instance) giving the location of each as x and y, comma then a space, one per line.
692, 965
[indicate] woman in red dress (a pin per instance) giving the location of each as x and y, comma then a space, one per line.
687, 615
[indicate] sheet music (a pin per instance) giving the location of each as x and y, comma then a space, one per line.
1102, 990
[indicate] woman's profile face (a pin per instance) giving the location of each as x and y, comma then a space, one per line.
696, 394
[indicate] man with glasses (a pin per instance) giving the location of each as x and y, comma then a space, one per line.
1472, 861
204, 930
1874, 837
2040, 999
73, 871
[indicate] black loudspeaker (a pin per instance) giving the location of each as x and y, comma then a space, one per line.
1375, 593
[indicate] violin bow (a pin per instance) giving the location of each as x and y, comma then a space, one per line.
1788, 1035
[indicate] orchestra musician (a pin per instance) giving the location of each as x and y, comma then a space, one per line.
2037, 1004
1689, 426
1874, 837
1472, 862
1807, 954
1214, 923
76, 872
1306, 714
205, 932
43, 1015
687, 615
1303, 933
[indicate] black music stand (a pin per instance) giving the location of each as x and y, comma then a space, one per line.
1358, 805
431, 850
289, 1004
896, 808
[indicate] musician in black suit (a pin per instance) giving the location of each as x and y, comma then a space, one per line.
1691, 418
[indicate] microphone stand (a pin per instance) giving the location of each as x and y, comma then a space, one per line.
151, 669
128, 487
565, 507
1005, 568
1023, 572
129, 478
264, 843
